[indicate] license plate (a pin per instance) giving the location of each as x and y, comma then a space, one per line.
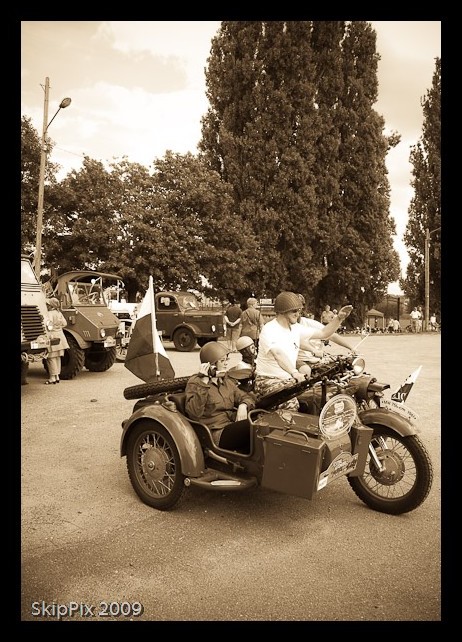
342, 465
109, 342
400, 409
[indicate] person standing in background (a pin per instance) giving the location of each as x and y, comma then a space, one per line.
54, 357
252, 321
415, 316
420, 319
233, 324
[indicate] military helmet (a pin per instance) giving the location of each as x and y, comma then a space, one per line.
212, 351
244, 342
286, 301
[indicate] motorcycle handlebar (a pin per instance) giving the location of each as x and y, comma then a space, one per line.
275, 399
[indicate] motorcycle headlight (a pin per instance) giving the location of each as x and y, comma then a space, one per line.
358, 365
337, 416
102, 333
213, 328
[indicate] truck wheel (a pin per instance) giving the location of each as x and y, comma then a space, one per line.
73, 359
100, 360
24, 371
184, 339
155, 388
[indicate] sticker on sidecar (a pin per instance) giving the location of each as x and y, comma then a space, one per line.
400, 409
342, 465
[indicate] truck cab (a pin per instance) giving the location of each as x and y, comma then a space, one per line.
91, 326
182, 319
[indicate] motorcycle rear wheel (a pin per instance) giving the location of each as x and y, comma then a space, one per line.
154, 466
406, 480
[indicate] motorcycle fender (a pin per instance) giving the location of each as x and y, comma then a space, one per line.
183, 434
392, 420
190, 326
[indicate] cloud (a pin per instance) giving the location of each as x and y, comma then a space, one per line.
138, 89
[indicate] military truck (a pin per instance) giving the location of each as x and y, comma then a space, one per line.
35, 325
91, 326
181, 318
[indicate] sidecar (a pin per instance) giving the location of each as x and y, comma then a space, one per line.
290, 452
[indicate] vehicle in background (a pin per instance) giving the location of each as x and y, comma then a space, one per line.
35, 325
126, 313
181, 318
91, 326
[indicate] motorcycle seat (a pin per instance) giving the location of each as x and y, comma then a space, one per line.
180, 402
204, 433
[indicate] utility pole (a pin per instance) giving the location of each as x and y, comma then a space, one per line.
43, 160
427, 274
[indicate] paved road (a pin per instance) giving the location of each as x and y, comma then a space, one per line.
87, 540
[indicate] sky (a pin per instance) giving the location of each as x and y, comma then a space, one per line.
138, 90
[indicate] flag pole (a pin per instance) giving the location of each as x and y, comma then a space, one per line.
358, 344
153, 325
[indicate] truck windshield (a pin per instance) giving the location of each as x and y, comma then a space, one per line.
28, 274
188, 301
85, 293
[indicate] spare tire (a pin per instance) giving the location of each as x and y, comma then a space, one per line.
155, 388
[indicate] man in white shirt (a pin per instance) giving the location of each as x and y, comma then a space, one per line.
415, 318
280, 342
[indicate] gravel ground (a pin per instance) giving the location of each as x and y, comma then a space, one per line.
87, 540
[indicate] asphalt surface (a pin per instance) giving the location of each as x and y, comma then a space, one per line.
92, 551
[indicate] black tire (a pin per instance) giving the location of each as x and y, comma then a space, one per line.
155, 388
406, 480
73, 360
24, 371
184, 340
100, 360
154, 466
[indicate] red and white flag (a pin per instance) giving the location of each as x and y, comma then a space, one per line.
403, 391
146, 357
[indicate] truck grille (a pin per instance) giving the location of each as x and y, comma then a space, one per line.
32, 324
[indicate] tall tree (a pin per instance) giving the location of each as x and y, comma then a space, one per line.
292, 128
176, 225
364, 262
259, 134
425, 206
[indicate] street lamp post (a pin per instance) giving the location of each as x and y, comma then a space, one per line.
43, 160
427, 274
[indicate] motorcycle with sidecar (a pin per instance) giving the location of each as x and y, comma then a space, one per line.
345, 428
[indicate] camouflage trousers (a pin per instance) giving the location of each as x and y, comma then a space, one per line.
267, 385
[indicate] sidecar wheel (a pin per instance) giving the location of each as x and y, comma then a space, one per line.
406, 479
154, 466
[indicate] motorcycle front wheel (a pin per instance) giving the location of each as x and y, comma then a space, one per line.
154, 466
406, 478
